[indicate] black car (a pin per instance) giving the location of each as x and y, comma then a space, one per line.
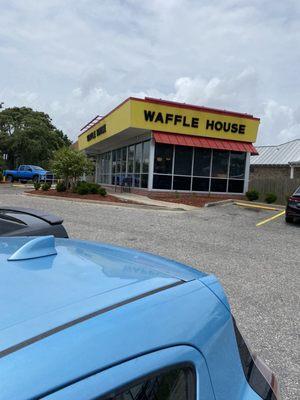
292, 210
28, 222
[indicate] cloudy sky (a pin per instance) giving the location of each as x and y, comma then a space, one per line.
75, 59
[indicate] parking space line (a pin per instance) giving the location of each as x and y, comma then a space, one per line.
264, 221
256, 206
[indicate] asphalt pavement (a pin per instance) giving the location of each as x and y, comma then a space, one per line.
259, 267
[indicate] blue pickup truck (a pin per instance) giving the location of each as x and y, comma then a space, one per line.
28, 173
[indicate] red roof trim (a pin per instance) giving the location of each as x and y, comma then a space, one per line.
204, 142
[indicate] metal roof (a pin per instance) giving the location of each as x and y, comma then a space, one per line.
282, 154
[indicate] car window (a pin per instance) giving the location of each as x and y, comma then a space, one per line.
297, 191
28, 169
22, 168
176, 384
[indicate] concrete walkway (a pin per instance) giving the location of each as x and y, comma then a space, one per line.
152, 202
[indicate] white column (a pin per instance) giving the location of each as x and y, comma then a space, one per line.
247, 173
151, 164
292, 172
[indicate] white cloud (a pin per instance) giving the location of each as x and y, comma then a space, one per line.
78, 59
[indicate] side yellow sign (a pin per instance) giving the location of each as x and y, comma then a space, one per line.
110, 125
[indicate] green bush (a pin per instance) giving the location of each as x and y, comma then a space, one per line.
61, 187
93, 188
252, 195
82, 190
1, 176
102, 191
46, 186
36, 185
270, 198
83, 187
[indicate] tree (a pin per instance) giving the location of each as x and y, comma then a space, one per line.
70, 165
29, 137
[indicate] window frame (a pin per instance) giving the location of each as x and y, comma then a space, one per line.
127, 372
154, 374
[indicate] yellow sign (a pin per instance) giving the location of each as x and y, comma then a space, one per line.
195, 122
156, 115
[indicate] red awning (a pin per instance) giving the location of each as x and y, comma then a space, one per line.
208, 143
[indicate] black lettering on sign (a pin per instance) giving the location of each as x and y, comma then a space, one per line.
242, 129
218, 126
159, 118
94, 134
91, 136
178, 118
101, 129
195, 122
210, 124
168, 118
234, 128
149, 115
184, 123
225, 127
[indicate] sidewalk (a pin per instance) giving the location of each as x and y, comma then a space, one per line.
152, 202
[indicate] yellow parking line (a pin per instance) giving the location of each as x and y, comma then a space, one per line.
264, 221
255, 206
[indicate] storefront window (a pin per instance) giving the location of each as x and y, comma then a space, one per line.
181, 183
163, 158
114, 153
200, 184
237, 165
212, 170
162, 182
220, 163
183, 160
130, 159
116, 166
144, 180
138, 157
146, 153
235, 186
124, 159
218, 185
202, 161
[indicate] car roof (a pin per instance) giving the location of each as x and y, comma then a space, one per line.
41, 293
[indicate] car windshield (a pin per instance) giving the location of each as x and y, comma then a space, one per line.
37, 168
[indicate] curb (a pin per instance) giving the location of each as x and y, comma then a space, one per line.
107, 203
218, 203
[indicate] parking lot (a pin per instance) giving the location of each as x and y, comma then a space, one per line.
257, 265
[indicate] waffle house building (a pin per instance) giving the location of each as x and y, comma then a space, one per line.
168, 146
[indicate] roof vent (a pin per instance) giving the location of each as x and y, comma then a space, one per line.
39, 247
